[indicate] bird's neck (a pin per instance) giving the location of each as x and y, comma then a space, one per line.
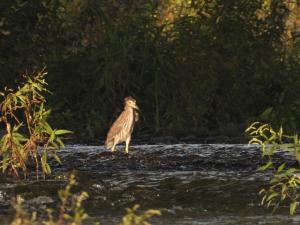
128, 108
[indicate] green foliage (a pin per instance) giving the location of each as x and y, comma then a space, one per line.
25, 118
132, 218
21, 217
284, 185
188, 63
71, 211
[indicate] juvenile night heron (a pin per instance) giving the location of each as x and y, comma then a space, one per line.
122, 128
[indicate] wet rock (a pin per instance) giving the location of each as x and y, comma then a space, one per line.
178, 179
40, 200
106, 154
99, 187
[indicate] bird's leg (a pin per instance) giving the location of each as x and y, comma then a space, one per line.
127, 144
113, 147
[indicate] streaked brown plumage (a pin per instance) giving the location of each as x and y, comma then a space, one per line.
122, 128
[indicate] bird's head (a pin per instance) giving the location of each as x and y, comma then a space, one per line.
131, 102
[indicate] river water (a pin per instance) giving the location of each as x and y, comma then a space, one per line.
189, 183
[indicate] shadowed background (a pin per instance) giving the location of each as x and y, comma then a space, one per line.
202, 67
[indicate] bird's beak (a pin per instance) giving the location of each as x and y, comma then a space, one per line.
136, 107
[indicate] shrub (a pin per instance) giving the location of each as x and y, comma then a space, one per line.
284, 184
24, 117
71, 211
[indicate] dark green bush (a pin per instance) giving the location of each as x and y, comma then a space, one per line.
189, 64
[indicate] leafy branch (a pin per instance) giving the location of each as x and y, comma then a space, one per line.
284, 186
24, 116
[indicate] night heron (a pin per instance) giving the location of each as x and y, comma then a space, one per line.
122, 128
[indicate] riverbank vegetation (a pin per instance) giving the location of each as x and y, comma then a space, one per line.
202, 67
195, 66
25, 119
284, 183
29, 140
72, 212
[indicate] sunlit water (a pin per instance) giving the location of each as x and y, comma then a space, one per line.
190, 184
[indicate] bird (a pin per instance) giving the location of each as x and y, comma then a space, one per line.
122, 128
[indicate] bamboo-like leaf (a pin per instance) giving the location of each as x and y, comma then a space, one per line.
274, 180
5, 162
61, 132
57, 158
252, 126
291, 171
52, 137
271, 196
267, 113
44, 162
268, 165
255, 141
262, 191
54, 145
48, 168
293, 207
48, 128
59, 141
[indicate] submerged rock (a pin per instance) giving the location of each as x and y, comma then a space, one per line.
189, 183
40, 200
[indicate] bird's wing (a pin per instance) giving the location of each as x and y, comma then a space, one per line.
117, 127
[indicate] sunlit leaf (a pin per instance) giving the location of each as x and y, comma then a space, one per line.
268, 165
60, 132
293, 207
18, 146
57, 158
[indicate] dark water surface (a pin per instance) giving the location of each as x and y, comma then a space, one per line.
191, 184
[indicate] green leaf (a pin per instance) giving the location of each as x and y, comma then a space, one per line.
57, 158
48, 128
291, 171
281, 167
53, 145
59, 141
266, 114
45, 165
280, 133
271, 196
293, 207
52, 136
266, 166
48, 169
60, 132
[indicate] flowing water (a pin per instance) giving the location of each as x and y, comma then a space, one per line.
190, 184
